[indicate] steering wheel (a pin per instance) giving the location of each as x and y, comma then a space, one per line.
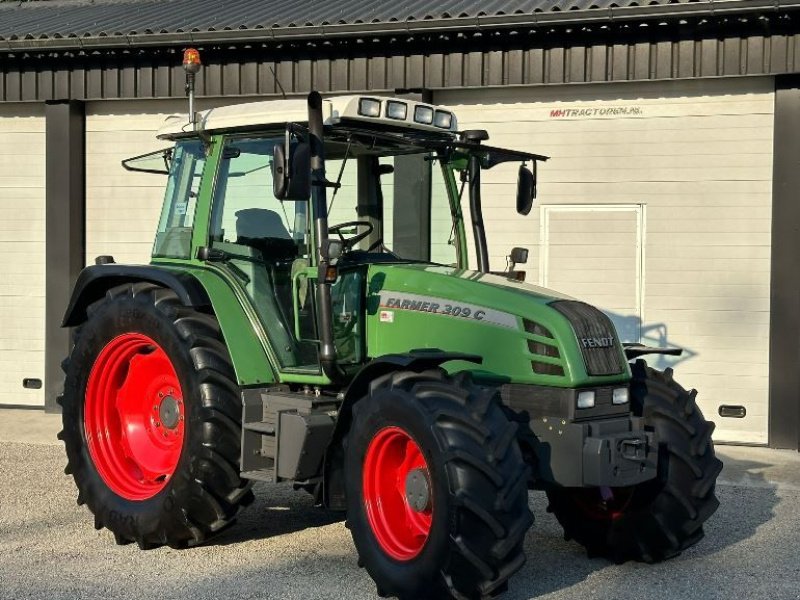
348, 243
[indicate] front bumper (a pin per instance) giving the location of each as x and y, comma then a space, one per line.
605, 447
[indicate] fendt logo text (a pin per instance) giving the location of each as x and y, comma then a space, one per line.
597, 342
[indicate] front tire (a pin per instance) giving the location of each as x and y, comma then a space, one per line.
658, 519
437, 499
152, 420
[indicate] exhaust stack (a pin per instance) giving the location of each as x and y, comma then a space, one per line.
319, 185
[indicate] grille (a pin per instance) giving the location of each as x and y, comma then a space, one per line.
593, 329
543, 349
536, 329
547, 369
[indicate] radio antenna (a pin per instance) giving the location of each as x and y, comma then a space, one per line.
278, 82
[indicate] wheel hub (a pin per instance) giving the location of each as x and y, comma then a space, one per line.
169, 412
418, 490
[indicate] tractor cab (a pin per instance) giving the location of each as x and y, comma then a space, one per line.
398, 181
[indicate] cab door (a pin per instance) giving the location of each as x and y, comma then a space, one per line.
263, 243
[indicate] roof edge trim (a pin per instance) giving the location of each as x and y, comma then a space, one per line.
462, 24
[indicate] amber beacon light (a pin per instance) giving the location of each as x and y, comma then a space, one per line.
191, 64
191, 60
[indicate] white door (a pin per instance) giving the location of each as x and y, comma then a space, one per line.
697, 156
594, 252
22, 227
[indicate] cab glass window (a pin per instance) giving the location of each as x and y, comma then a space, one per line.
402, 178
174, 235
246, 211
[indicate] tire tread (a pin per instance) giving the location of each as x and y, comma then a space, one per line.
477, 448
217, 491
669, 518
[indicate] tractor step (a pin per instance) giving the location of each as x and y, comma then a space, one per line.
261, 427
266, 476
285, 433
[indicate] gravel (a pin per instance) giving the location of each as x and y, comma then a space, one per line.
284, 548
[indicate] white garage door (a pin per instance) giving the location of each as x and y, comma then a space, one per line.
595, 250
22, 192
697, 157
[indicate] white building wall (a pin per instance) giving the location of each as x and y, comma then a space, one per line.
122, 207
696, 157
22, 233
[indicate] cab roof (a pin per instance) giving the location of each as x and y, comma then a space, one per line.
365, 109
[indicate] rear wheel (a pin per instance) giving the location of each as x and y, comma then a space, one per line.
660, 518
151, 415
437, 498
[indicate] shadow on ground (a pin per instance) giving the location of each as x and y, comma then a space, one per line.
285, 548
277, 510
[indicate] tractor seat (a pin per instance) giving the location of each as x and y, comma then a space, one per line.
263, 230
272, 249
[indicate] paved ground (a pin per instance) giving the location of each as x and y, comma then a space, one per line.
283, 548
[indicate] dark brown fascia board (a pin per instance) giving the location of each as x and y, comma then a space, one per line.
709, 8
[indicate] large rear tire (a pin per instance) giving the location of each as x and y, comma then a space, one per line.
658, 519
152, 420
437, 498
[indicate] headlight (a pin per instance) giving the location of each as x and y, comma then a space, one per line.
586, 399
620, 396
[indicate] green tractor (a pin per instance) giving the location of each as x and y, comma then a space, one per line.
308, 316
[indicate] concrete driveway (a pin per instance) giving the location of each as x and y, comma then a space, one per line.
284, 548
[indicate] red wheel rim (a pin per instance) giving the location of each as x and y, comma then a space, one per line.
134, 416
391, 458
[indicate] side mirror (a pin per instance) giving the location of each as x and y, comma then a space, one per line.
291, 171
526, 190
518, 256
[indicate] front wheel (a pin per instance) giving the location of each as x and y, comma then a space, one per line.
657, 519
437, 499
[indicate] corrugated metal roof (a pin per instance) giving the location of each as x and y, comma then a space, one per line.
107, 21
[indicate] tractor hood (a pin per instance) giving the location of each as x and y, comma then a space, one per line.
525, 333
499, 292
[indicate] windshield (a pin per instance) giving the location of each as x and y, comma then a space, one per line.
422, 188
401, 197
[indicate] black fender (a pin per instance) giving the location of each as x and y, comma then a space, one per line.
94, 281
415, 360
